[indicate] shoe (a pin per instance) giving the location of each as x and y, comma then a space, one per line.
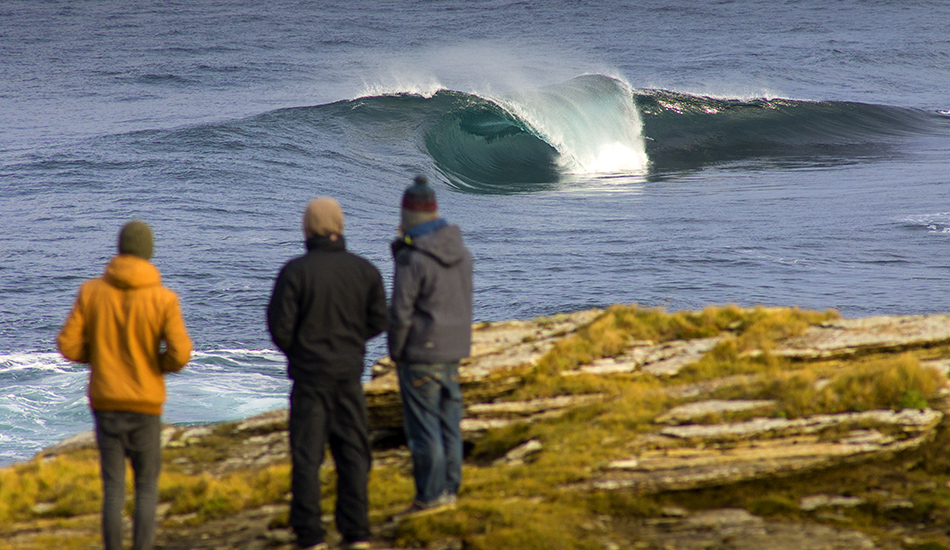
419, 509
355, 545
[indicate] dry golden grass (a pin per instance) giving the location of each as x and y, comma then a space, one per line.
62, 486
879, 383
612, 332
208, 496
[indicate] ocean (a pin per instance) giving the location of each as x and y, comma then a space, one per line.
671, 154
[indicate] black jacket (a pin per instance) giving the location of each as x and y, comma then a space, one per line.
431, 309
324, 307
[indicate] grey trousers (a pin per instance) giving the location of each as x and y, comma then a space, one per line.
136, 436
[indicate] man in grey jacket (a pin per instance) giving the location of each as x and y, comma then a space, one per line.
430, 332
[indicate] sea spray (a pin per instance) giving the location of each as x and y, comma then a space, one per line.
44, 395
591, 121
528, 140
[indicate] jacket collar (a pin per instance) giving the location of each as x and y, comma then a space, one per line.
427, 227
326, 244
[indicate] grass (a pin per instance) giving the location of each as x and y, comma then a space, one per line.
526, 506
876, 383
63, 486
209, 497
508, 522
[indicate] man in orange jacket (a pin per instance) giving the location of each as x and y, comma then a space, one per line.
130, 331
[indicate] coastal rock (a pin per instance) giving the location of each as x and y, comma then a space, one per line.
737, 529
664, 360
519, 454
497, 348
814, 502
694, 456
846, 337
700, 409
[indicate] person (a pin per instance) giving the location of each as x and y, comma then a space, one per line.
325, 305
430, 332
129, 329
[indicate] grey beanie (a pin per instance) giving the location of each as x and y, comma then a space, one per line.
136, 239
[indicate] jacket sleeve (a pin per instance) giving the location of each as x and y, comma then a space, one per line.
377, 314
406, 284
177, 343
282, 311
71, 339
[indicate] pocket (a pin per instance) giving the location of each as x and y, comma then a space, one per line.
424, 379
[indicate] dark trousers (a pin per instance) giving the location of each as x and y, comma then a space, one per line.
331, 411
136, 436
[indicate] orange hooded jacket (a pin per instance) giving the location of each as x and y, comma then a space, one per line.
118, 325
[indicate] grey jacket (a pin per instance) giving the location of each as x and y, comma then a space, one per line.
430, 314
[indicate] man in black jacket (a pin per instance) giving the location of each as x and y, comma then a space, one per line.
430, 332
324, 307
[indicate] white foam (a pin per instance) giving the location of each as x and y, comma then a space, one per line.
44, 361
595, 131
43, 398
401, 85
616, 157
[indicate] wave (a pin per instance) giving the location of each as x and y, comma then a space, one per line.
597, 125
685, 131
587, 127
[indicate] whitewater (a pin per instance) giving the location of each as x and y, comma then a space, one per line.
671, 155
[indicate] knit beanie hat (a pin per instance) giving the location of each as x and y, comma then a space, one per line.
323, 216
136, 239
418, 204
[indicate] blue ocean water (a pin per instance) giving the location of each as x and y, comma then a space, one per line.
674, 154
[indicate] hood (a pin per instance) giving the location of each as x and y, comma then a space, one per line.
445, 245
126, 271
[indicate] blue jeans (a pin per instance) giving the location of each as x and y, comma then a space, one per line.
138, 437
432, 412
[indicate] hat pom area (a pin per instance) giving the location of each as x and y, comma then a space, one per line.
418, 204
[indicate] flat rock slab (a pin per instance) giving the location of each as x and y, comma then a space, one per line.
691, 411
909, 419
737, 529
497, 346
496, 349
666, 359
883, 333
696, 456
521, 409
481, 417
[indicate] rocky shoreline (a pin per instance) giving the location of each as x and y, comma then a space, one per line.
717, 466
